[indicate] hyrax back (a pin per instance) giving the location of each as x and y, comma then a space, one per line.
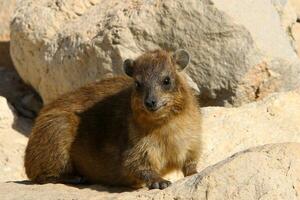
125, 131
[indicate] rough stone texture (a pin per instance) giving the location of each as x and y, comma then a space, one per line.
233, 59
12, 146
267, 172
6, 11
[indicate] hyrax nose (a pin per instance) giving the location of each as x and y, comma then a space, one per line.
150, 103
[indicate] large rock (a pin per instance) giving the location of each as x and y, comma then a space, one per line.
12, 146
240, 52
267, 172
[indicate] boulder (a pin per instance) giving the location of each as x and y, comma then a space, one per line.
240, 52
266, 172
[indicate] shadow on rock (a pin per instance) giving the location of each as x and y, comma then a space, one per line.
24, 101
5, 59
99, 188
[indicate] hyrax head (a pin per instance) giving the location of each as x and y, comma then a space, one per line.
158, 86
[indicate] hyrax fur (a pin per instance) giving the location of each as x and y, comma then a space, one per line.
124, 131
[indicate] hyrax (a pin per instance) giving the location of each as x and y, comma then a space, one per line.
124, 131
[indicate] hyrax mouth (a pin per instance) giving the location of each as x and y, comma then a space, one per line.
156, 108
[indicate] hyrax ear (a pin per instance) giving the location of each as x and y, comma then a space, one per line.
182, 58
128, 67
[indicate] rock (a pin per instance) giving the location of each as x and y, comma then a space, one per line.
275, 119
12, 146
239, 50
266, 172
6, 11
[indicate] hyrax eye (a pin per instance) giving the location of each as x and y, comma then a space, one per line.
167, 81
137, 84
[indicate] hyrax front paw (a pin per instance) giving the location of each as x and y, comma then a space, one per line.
160, 184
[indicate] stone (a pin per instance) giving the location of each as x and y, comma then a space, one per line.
240, 51
275, 119
265, 172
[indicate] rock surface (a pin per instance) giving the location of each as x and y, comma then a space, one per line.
226, 131
267, 172
233, 61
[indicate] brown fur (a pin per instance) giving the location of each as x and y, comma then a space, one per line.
103, 132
